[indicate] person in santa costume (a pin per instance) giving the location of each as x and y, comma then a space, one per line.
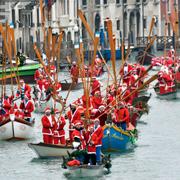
125, 73
78, 135
27, 107
37, 74
99, 133
92, 141
23, 89
59, 133
74, 72
121, 116
96, 100
101, 114
96, 86
49, 126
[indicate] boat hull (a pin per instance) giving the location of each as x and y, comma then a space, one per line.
115, 139
67, 86
49, 150
85, 171
25, 72
166, 96
17, 129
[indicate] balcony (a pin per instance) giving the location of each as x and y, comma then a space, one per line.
64, 21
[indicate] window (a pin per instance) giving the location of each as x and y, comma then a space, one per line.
97, 2
145, 23
118, 24
38, 23
117, 1
84, 2
105, 2
20, 18
125, 1
13, 18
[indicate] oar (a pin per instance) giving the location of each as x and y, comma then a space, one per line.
86, 25
112, 46
133, 92
47, 73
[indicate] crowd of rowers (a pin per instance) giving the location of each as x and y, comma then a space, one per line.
88, 132
167, 74
8, 105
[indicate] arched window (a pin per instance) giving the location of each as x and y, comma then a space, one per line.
97, 22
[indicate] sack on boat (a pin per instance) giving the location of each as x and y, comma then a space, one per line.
74, 163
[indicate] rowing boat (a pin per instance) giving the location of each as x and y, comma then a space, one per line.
50, 150
17, 129
116, 139
167, 95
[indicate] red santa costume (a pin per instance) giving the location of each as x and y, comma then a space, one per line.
59, 133
96, 86
74, 72
27, 107
91, 141
23, 89
37, 74
122, 116
78, 134
126, 72
96, 100
49, 125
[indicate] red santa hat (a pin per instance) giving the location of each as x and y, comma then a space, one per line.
77, 122
90, 127
80, 109
15, 106
96, 120
74, 62
47, 110
97, 93
56, 111
21, 81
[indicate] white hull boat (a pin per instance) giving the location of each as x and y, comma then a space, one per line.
50, 150
85, 171
17, 129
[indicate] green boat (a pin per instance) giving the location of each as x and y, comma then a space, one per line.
25, 72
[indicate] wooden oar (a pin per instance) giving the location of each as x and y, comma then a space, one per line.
86, 25
151, 27
47, 73
113, 53
133, 92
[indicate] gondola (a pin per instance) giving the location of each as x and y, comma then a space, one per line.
50, 150
168, 95
16, 129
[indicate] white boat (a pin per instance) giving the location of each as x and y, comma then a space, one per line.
50, 150
18, 129
85, 171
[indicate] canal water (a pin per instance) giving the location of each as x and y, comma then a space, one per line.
156, 157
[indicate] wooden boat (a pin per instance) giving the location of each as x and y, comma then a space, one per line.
144, 59
85, 171
66, 85
50, 150
177, 79
16, 129
167, 96
116, 139
25, 72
